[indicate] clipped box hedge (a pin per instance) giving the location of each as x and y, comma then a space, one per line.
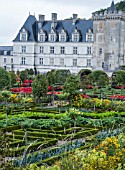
10, 128
36, 134
33, 147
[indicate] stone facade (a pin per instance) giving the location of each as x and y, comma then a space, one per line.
109, 39
74, 44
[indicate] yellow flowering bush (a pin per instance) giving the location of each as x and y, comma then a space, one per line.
14, 98
108, 155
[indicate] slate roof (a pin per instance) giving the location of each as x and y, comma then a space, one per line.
112, 7
31, 25
6, 48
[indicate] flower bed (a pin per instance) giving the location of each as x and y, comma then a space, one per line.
120, 87
117, 97
23, 90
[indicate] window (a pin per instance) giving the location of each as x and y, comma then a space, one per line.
62, 50
23, 61
100, 38
41, 49
41, 38
61, 61
40, 61
74, 50
89, 51
89, 38
5, 52
51, 50
100, 51
52, 38
103, 65
11, 60
75, 37
88, 62
24, 37
74, 62
11, 52
51, 61
4, 60
23, 49
63, 38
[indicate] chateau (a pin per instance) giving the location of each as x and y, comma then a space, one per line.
74, 44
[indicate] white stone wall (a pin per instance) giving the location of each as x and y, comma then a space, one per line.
33, 54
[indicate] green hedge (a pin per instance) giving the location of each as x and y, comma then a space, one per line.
36, 134
10, 128
33, 147
16, 143
85, 133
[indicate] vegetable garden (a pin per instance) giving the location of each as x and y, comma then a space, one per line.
48, 127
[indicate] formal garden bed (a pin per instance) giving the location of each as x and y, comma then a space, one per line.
54, 119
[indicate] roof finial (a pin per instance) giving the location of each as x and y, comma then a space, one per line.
29, 13
34, 14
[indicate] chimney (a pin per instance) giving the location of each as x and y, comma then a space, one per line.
54, 20
41, 18
75, 17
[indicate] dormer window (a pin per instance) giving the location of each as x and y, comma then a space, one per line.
62, 36
41, 36
11, 52
75, 36
5, 53
89, 36
23, 35
52, 36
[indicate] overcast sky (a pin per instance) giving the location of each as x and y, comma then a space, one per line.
13, 13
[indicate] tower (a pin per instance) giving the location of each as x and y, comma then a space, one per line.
109, 39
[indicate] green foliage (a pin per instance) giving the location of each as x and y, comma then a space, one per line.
99, 78
51, 77
23, 75
61, 76
83, 74
30, 71
120, 6
4, 79
120, 77
40, 87
12, 77
72, 86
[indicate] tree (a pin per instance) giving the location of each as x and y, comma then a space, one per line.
83, 74
51, 77
99, 78
23, 75
120, 77
12, 77
61, 76
40, 87
5, 80
72, 86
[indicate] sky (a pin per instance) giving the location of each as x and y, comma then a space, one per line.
13, 13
